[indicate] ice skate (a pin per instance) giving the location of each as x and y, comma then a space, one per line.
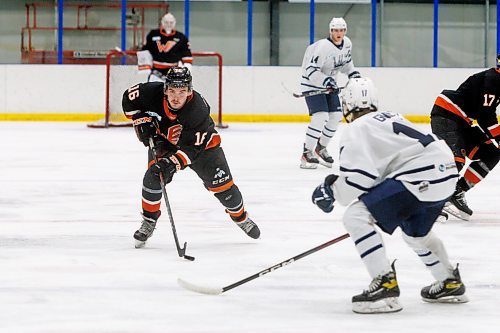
308, 161
457, 206
249, 227
144, 232
451, 290
322, 155
382, 296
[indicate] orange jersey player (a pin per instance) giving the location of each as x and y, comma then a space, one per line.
164, 48
452, 118
177, 118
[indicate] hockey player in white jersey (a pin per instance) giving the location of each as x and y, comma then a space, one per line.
323, 60
391, 175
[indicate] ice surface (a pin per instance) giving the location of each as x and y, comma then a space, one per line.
70, 202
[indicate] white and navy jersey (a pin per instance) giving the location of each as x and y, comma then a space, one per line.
324, 59
384, 145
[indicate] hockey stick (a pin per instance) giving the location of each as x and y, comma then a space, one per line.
311, 93
218, 291
317, 92
180, 251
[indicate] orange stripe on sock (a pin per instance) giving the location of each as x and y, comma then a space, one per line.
471, 177
150, 208
459, 159
221, 188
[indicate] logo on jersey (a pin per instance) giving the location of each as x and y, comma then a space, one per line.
174, 133
165, 47
424, 186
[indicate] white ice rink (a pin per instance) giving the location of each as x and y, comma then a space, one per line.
70, 202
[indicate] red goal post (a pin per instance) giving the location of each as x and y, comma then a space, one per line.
122, 73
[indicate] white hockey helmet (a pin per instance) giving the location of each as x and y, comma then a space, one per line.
359, 95
168, 22
338, 23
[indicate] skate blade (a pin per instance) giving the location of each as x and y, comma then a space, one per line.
139, 244
452, 210
386, 305
323, 162
454, 299
307, 165
328, 165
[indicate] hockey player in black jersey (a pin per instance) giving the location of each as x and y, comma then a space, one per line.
452, 118
164, 48
178, 119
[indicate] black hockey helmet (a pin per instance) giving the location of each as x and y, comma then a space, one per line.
179, 77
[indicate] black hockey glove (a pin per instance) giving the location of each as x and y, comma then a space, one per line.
323, 194
354, 75
330, 84
163, 147
145, 126
167, 166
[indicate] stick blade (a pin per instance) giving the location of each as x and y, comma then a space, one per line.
199, 289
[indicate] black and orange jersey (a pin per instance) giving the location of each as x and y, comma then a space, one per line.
167, 49
475, 99
190, 128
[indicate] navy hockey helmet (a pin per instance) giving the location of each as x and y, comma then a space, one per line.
179, 77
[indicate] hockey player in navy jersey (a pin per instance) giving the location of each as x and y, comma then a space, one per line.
452, 118
322, 61
391, 175
163, 49
178, 119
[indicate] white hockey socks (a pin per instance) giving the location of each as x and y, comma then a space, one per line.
330, 127
431, 251
314, 130
367, 239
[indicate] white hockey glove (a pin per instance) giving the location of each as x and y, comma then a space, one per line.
323, 194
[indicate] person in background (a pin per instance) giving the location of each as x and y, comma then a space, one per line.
164, 48
323, 60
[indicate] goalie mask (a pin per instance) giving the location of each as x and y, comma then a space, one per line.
359, 95
168, 23
338, 23
179, 77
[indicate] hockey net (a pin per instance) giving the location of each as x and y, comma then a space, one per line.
122, 73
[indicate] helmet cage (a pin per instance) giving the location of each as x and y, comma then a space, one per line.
168, 22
